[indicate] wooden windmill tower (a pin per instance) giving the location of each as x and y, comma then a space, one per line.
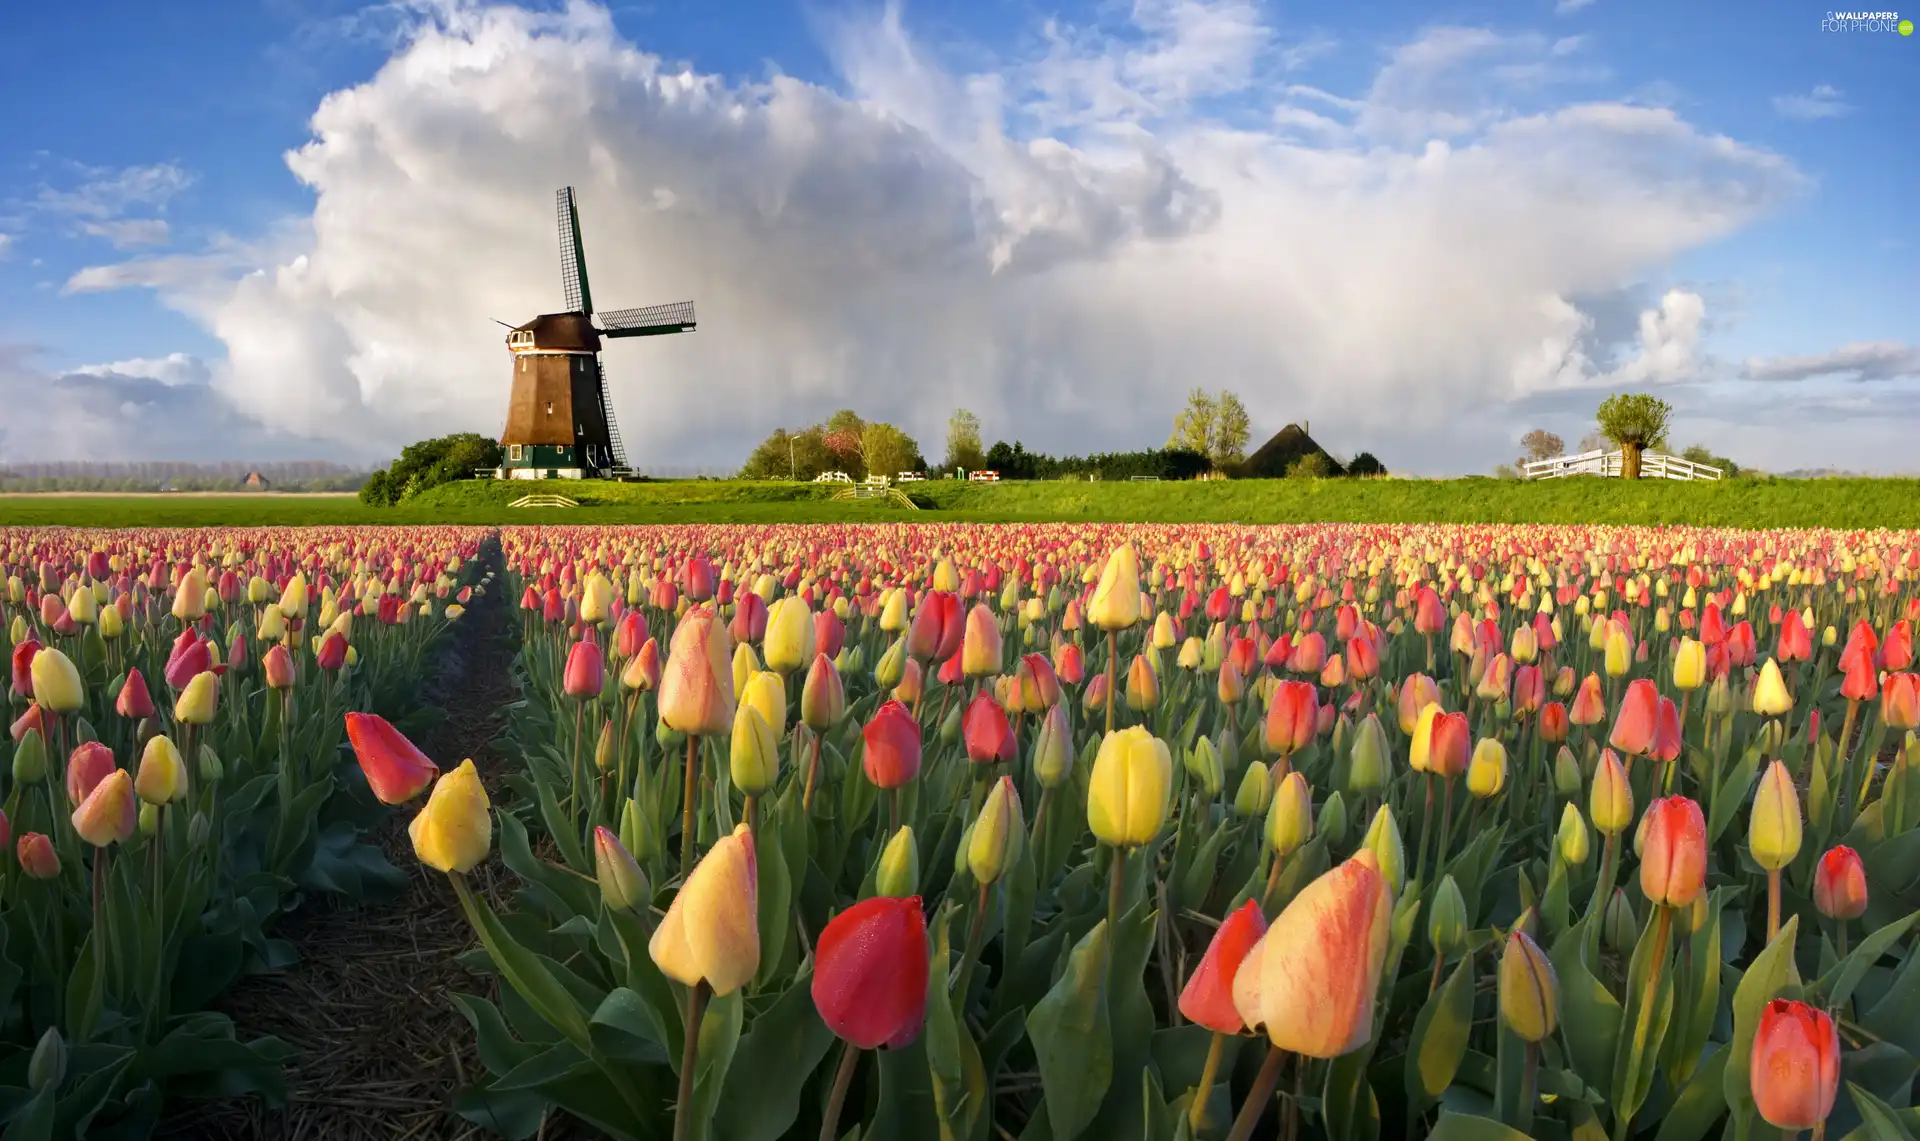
559, 417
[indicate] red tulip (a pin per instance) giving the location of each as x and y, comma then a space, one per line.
1896, 653
1900, 701
37, 857
586, 672
1634, 727
1363, 658
829, 633
1429, 616
1529, 689
1589, 707
629, 635
1795, 1065
1553, 722
1740, 644
396, 770
984, 728
1673, 865
1070, 664
1862, 680
23, 667
1451, 745
134, 701
1208, 996
1840, 884
891, 757
333, 651
1796, 641
32, 719
87, 767
1293, 716
277, 665
938, 625
749, 618
188, 662
870, 972
1309, 654
1666, 732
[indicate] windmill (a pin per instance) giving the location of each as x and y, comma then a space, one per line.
559, 416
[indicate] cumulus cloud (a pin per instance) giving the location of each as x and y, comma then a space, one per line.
1860, 360
1064, 243
158, 409
1823, 102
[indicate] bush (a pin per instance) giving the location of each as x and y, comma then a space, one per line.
1366, 464
430, 463
1313, 465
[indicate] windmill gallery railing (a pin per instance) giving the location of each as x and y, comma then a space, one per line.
1653, 465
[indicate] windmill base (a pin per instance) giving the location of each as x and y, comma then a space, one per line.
541, 473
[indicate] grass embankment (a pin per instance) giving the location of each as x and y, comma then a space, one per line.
1840, 503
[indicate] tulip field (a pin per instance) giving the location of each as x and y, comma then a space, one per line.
969, 832
176, 711
1195, 831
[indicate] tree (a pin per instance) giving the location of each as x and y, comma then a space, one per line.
1227, 441
1700, 454
1313, 465
430, 463
1592, 442
1541, 444
1635, 421
789, 455
1366, 464
1193, 427
886, 450
964, 449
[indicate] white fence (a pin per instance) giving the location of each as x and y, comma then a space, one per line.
1653, 465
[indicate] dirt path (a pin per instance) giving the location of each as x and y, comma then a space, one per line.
381, 1048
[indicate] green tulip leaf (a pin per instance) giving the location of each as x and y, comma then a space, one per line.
1440, 1036
1072, 1039
1765, 978
771, 1068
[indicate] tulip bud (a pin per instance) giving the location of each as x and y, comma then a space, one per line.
1840, 884
1689, 665
1383, 841
1203, 764
197, 830
1487, 770
1290, 816
892, 666
455, 830
898, 874
1573, 841
277, 664
1529, 990
48, 1066
162, 778
37, 856
1053, 747
107, 815
1770, 696
754, 752
711, 931
1566, 773
1610, 804
1773, 829
1332, 824
1795, 1066
1367, 761
1447, 924
198, 701
994, 838
30, 758
1673, 858
56, 682
1255, 792
622, 884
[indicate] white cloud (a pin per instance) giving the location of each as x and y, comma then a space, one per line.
6, 246
105, 193
1569, 7
1823, 102
129, 232
172, 370
917, 242
1860, 360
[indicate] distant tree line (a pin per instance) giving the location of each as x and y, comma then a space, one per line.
846, 442
1014, 461
430, 463
85, 475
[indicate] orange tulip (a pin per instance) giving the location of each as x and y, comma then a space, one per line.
1795, 1065
396, 769
696, 688
1840, 884
1311, 979
1638, 719
1673, 865
1900, 701
110, 811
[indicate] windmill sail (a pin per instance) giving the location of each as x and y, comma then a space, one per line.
573, 256
648, 320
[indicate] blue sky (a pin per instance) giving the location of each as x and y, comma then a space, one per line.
1777, 259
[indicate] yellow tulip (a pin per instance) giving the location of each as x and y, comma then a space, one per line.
1773, 830
1310, 981
768, 696
190, 598
56, 683
788, 642
293, 600
1487, 771
1770, 696
753, 751
455, 829
199, 700
1127, 793
711, 932
1290, 816
163, 776
1689, 665
1116, 601
1610, 804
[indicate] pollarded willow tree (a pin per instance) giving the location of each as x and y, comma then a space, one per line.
1635, 421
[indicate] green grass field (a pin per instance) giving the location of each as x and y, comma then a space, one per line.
1840, 503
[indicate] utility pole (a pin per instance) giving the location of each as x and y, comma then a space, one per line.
793, 469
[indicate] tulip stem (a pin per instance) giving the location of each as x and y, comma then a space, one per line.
972, 952
813, 771
1197, 1112
1255, 1106
1643, 1018
1116, 888
686, 808
1773, 903
842, 1078
689, 1055
1426, 833
1529, 1088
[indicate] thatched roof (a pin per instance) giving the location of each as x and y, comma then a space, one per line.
1279, 453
